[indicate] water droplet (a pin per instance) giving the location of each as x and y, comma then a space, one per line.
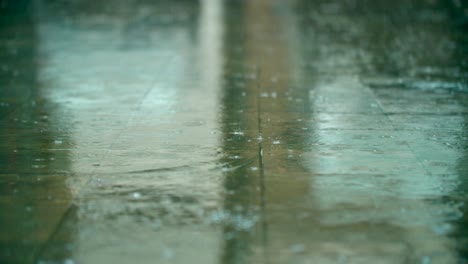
251, 76
276, 142
238, 208
58, 141
217, 217
342, 259
426, 260
136, 195
68, 261
168, 253
238, 133
442, 229
297, 248
228, 236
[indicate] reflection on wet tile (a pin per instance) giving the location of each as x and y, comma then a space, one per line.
430, 102
342, 95
428, 122
352, 121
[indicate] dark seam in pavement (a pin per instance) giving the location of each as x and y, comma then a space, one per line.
167, 169
41, 248
261, 179
159, 169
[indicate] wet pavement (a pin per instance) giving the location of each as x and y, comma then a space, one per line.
233, 131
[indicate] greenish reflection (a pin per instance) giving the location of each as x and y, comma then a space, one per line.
34, 146
264, 133
238, 129
379, 42
440, 68
460, 231
460, 34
